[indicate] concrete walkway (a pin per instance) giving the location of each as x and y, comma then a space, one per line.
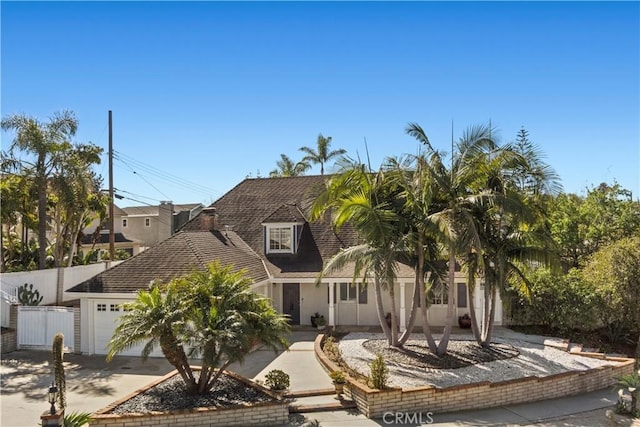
93, 384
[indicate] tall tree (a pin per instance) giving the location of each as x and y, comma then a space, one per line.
363, 200
456, 203
321, 154
286, 167
75, 190
43, 141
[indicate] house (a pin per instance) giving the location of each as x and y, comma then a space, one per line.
260, 226
137, 228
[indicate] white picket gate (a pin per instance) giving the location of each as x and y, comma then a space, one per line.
38, 325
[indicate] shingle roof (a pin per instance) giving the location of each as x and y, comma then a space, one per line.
287, 213
179, 254
238, 239
245, 208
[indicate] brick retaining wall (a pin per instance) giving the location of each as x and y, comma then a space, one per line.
10, 337
374, 403
260, 414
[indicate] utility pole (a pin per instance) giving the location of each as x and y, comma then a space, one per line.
112, 235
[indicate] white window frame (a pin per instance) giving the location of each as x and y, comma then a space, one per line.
292, 242
351, 291
147, 222
124, 223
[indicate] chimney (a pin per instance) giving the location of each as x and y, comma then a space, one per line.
165, 220
211, 218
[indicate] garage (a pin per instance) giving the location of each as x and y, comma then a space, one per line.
105, 319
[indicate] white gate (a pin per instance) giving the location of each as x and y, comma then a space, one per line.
38, 325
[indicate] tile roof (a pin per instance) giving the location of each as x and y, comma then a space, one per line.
179, 254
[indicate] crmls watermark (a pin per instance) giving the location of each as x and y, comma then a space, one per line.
418, 418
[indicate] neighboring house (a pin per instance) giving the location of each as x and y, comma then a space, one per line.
138, 228
260, 226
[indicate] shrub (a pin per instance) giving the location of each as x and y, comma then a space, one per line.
338, 377
277, 379
379, 372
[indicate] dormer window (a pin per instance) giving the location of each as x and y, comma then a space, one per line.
280, 239
283, 229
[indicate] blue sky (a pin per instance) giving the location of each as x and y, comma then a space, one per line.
211, 92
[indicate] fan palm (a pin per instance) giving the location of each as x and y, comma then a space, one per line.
322, 154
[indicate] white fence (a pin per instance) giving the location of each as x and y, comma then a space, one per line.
38, 325
45, 281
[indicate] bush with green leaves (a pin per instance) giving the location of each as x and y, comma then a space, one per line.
277, 379
629, 383
379, 372
562, 302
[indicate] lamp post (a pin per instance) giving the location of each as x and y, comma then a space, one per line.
53, 395
52, 417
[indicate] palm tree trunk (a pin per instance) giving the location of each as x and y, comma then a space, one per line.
637, 364
471, 291
219, 372
486, 342
42, 213
394, 316
486, 315
380, 310
426, 329
444, 341
412, 316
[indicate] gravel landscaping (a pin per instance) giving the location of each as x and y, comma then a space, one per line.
509, 359
172, 395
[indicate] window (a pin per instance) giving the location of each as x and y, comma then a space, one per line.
347, 292
102, 307
114, 307
462, 295
438, 296
124, 223
280, 240
147, 222
362, 294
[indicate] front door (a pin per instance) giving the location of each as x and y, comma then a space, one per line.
291, 301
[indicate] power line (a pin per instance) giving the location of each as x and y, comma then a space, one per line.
166, 176
144, 179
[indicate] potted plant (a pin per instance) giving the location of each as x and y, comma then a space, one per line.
321, 322
339, 380
314, 319
277, 380
464, 321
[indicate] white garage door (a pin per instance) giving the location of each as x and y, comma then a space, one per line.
105, 320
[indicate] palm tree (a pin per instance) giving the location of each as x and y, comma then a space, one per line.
211, 312
45, 141
412, 176
286, 167
362, 199
455, 203
322, 155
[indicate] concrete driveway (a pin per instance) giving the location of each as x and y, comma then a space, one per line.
92, 383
